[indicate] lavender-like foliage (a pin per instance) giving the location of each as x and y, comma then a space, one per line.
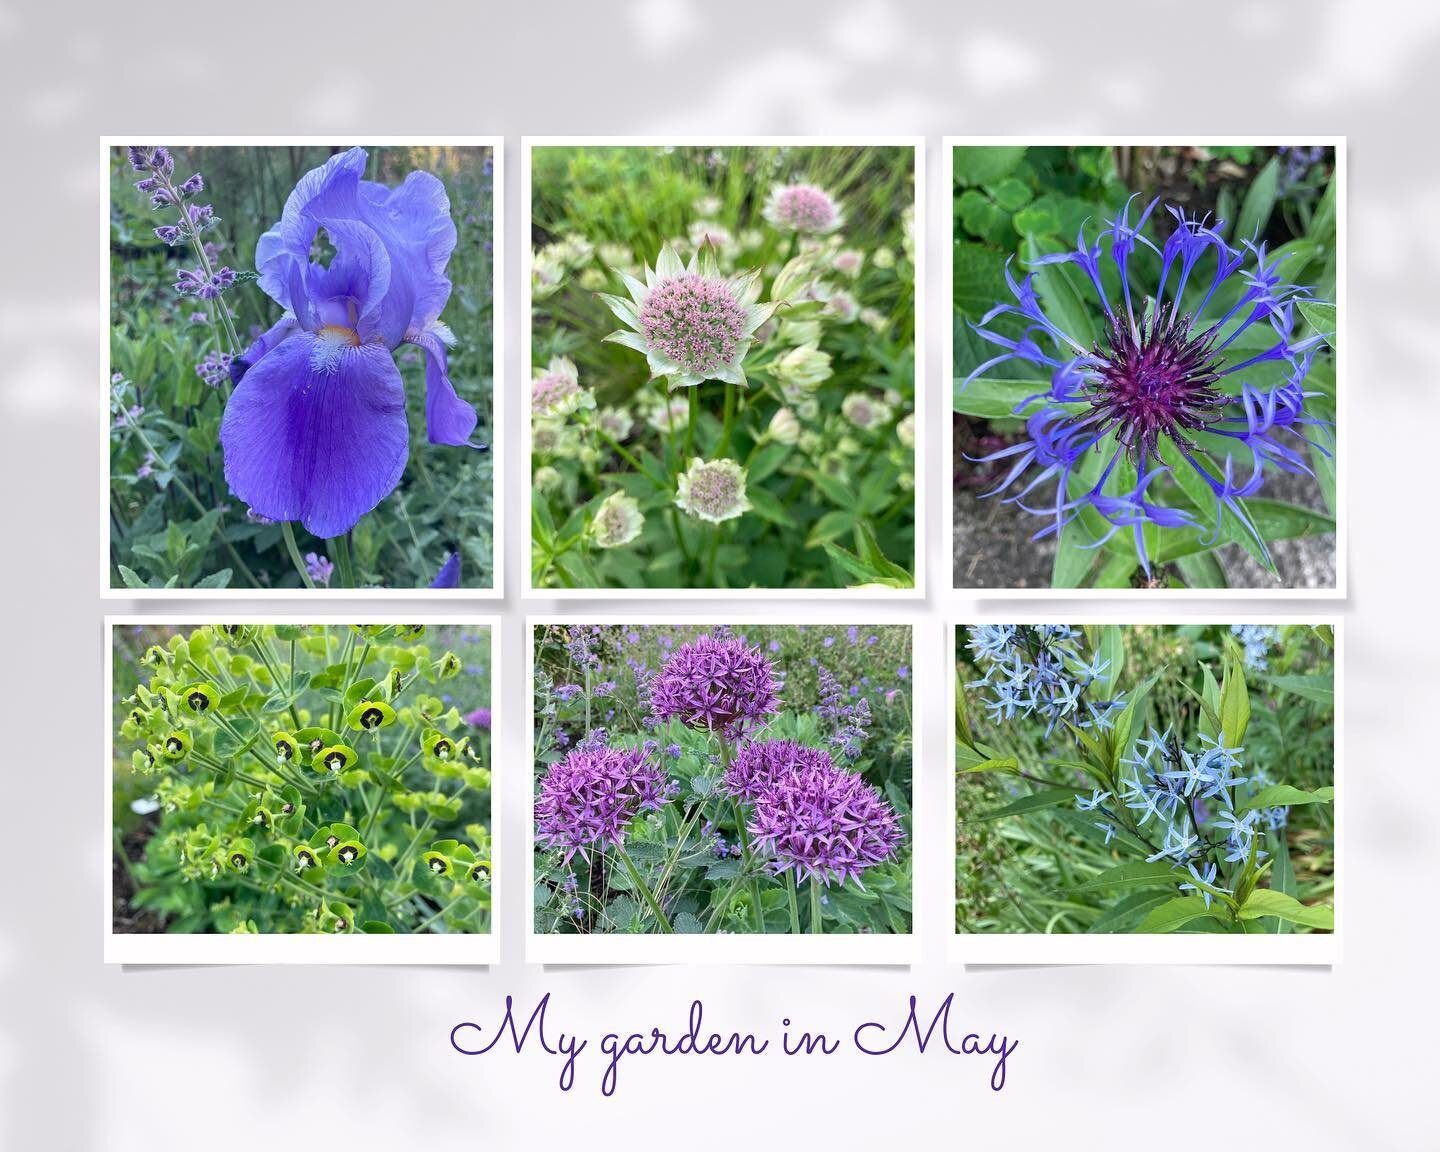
1038, 670
822, 821
589, 798
718, 683
1164, 388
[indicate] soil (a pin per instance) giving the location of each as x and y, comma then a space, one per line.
124, 918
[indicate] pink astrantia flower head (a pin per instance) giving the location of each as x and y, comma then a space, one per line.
718, 683
802, 208
556, 391
692, 323
823, 822
761, 762
591, 797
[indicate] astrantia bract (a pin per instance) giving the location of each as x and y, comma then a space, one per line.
824, 822
591, 796
1164, 390
692, 323
315, 430
718, 683
802, 208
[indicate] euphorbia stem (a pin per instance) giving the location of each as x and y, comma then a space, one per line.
815, 905
644, 890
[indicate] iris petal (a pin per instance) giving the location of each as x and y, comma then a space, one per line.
448, 419
316, 432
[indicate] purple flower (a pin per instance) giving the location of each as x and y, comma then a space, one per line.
717, 683
591, 796
316, 428
760, 763
1163, 389
319, 568
824, 822
449, 574
480, 718
215, 368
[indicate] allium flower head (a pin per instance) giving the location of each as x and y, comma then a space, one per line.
691, 322
825, 822
617, 521
712, 490
802, 208
315, 430
1165, 388
715, 682
760, 763
591, 796
556, 391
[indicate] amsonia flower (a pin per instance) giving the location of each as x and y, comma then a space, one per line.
716, 682
802, 208
315, 430
824, 822
1169, 388
591, 796
692, 323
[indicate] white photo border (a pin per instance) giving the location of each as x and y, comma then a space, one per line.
457, 948
917, 145
1320, 949
948, 144
498, 437
713, 949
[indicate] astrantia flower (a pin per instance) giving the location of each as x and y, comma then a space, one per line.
556, 391
315, 430
1166, 387
615, 423
712, 490
617, 521
823, 822
692, 323
802, 208
591, 796
761, 762
718, 683
865, 411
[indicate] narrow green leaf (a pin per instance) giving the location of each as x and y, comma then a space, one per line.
1286, 796
1268, 902
1130, 875
1175, 914
1259, 202
1049, 798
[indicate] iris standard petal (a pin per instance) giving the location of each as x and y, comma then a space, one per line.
329, 192
448, 419
414, 220
316, 432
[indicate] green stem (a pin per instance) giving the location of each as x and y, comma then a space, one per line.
294, 549
815, 906
794, 903
644, 890
693, 409
340, 545
720, 908
746, 856
728, 426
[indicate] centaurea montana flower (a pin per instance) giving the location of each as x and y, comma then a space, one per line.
316, 430
1164, 390
589, 798
717, 683
691, 322
824, 822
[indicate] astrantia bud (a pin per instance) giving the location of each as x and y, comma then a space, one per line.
617, 521
546, 479
614, 422
712, 490
849, 262
883, 258
784, 427
805, 368
842, 306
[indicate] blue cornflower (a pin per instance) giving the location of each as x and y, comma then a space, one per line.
1165, 388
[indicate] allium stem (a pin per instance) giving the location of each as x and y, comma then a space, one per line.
815, 905
746, 856
794, 901
288, 531
644, 890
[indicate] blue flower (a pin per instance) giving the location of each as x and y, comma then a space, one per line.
1207, 877
1093, 801
1166, 388
316, 429
449, 574
1256, 639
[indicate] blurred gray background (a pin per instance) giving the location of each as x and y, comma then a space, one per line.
103, 1058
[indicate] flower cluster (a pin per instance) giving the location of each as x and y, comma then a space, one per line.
847, 712
1039, 670
760, 763
157, 168
1166, 387
718, 683
819, 820
1256, 640
591, 796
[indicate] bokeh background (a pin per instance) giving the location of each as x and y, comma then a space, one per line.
103, 1058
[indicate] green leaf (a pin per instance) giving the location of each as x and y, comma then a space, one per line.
1049, 798
1234, 698
1321, 317
976, 164
1129, 876
1316, 686
1175, 914
1259, 202
1268, 902
768, 507
131, 577
1286, 796
994, 764
992, 397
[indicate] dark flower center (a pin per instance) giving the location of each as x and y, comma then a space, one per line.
198, 701
174, 745
371, 718
1157, 381
306, 859
238, 860
347, 855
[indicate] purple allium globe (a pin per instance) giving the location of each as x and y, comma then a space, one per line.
1164, 389
591, 796
718, 683
802, 208
761, 762
823, 822
692, 322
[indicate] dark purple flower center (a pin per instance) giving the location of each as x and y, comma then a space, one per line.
1157, 381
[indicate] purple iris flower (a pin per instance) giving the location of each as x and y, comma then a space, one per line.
315, 430
449, 574
1165, 387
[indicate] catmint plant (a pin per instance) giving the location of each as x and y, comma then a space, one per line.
687, 781
294, 778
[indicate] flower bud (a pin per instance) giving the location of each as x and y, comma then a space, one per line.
784, 427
